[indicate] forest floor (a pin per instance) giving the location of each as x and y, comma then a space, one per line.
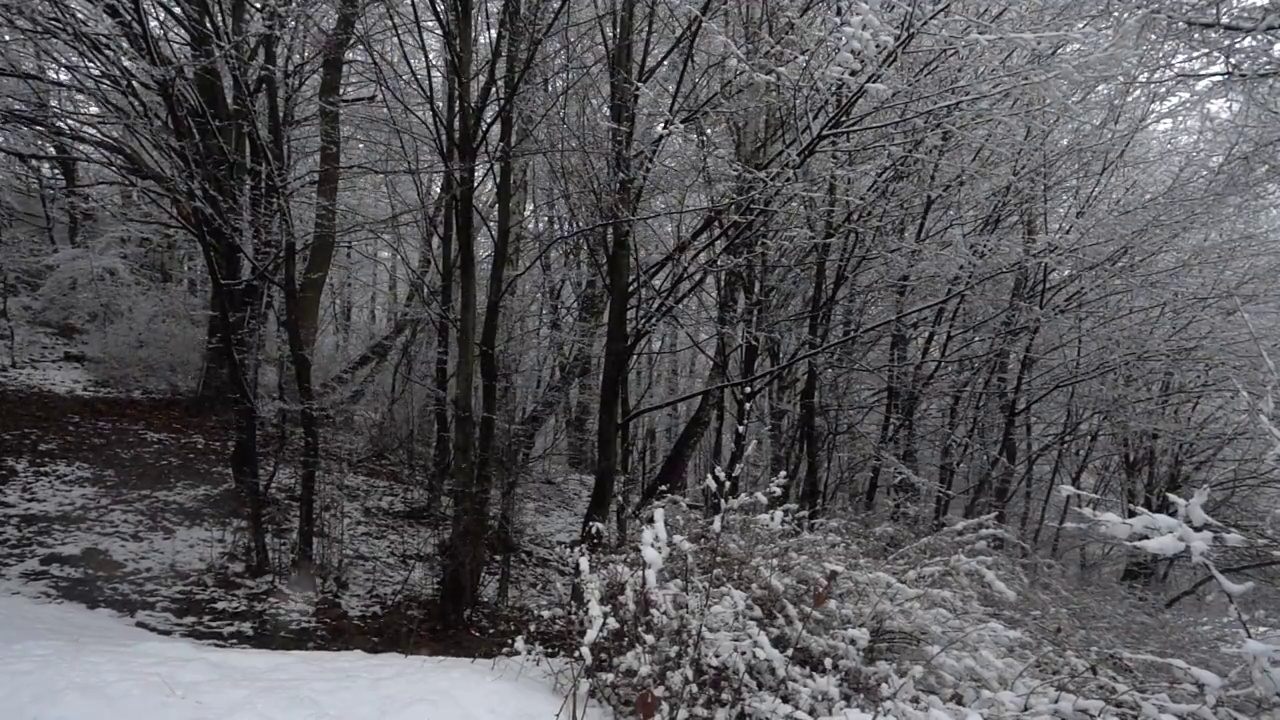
124, 503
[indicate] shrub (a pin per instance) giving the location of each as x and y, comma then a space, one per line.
136, 337
754, 615
758, 614
156, 347
1191, 533
85, 290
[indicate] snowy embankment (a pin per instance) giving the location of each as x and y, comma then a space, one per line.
62, 661
36, 358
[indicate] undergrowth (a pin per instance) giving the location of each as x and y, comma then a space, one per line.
761, 613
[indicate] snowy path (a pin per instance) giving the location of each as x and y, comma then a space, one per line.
62, 662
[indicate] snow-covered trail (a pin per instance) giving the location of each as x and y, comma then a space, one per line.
63, 662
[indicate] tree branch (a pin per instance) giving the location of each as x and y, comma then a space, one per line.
1209, 578
1270, 23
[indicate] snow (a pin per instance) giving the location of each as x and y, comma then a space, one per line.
1195, 509
63, 378
64, 662
1231, 588
40, 360
55, 516
36, 357
1163, 545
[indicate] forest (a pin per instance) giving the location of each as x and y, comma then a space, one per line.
756, 356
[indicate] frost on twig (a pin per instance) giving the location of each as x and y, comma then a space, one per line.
1192, 533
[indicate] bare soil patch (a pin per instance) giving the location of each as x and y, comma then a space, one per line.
125, 503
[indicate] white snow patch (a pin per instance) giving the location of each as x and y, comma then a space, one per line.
58, 377
41, 362
60, 661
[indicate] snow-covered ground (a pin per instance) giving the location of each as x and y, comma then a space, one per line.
64, 662
36, 358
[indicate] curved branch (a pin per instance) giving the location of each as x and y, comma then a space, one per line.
1209, 578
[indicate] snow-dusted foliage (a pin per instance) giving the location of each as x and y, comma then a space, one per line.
753, 614
1185, 530
756, 613
1190, 532
137, 334
86, 290
156, 347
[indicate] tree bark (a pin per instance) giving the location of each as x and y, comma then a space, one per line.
672, 475
324, 239
456, 596
591, 309
460, 584
442, 443
617, 356
810, 490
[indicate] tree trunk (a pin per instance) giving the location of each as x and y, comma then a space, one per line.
672, 474
237, 329
779, 449
810, 489
899, 405
215, 391
947, 461
299, 349
460, 584
591, 307
456, 595
745, 400
69, 169
324, 239
617, 356
42, 193
442, 451
300, 357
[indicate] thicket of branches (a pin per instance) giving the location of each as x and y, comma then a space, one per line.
930, 259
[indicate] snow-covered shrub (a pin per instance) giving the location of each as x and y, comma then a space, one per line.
137, 335
1191, 533
157, 347
1247, 684
757, 614
24, 275
753, 615
85, 290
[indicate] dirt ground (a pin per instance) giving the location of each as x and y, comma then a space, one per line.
124, 503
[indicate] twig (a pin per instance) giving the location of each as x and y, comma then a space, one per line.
1209, 578
4, 313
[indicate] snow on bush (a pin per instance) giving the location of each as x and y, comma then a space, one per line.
135, 334
157, 347
761, 613
758, 614
1191, 533
86, 290
754, 615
